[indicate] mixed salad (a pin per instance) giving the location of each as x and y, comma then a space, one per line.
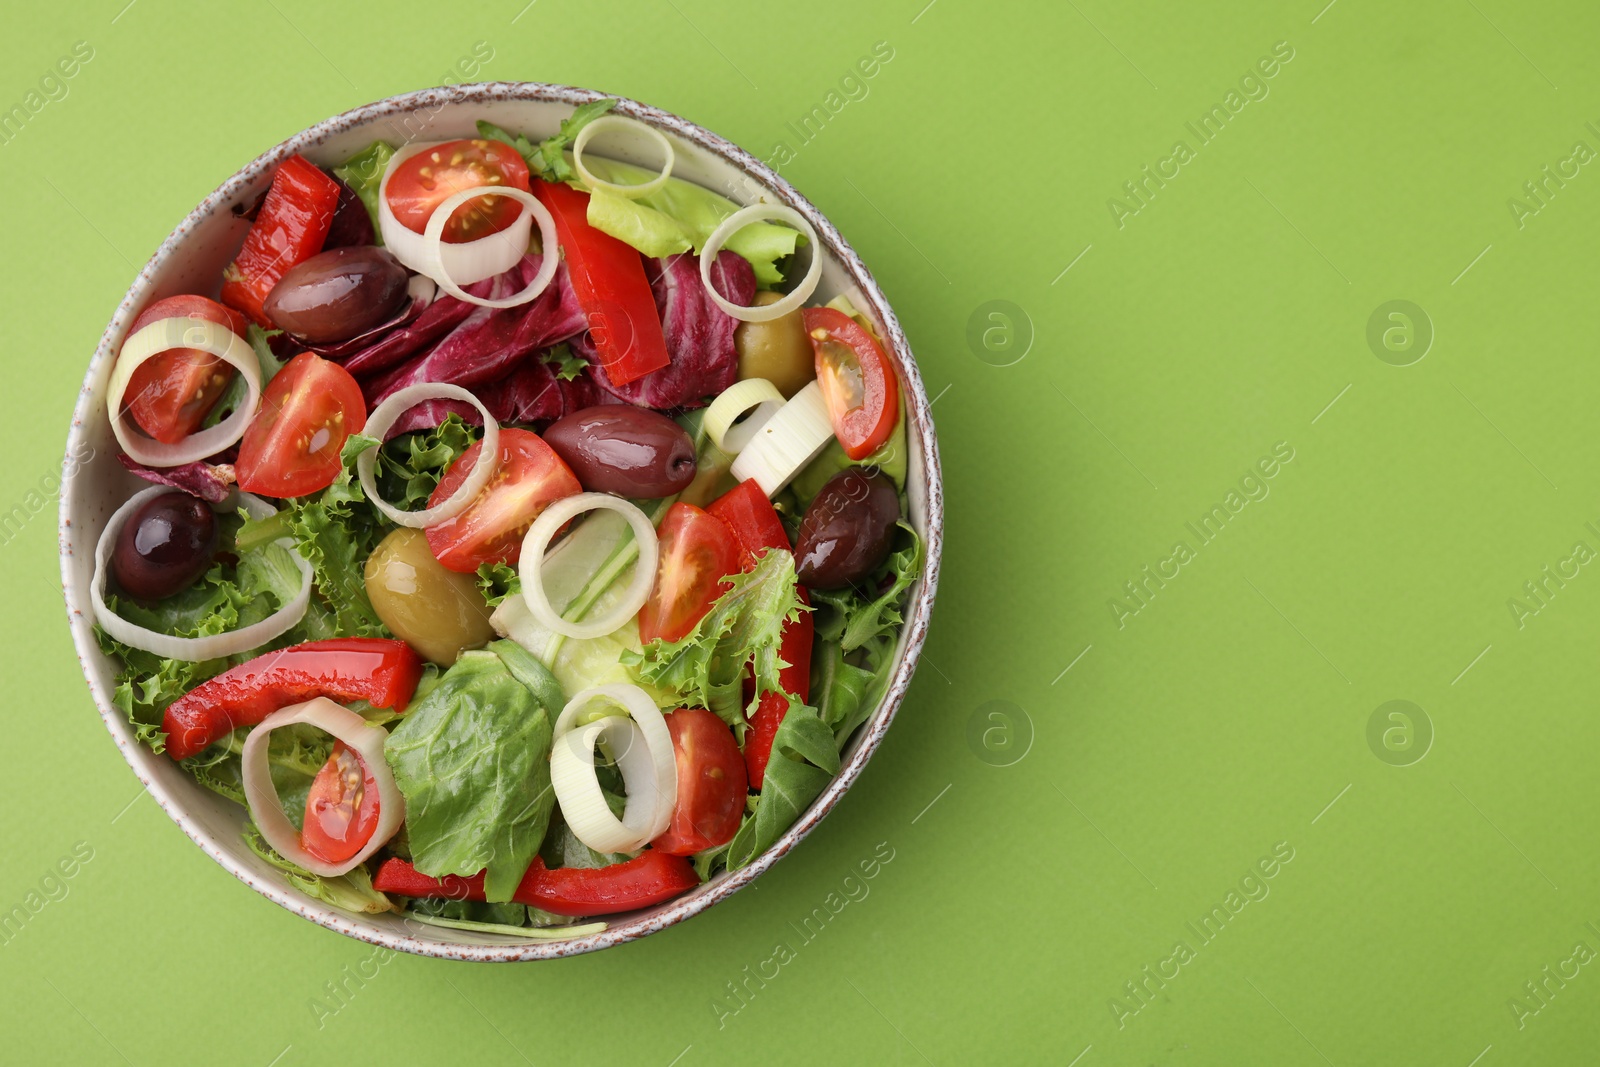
508, 576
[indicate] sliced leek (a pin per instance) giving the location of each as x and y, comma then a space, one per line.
787, 442
738, 221
632, 729
627, 125
755, 398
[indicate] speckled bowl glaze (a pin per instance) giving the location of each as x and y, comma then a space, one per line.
191, 260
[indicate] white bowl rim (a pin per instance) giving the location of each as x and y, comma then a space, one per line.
868, 737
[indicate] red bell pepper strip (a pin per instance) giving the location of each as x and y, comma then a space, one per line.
756, 527
291, 226
378, 670
608, 278
649, 878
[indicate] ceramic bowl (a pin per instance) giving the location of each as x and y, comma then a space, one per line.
191, 259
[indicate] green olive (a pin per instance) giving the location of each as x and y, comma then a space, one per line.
434, 610
778, 351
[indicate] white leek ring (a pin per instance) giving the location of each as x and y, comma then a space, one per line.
385, 415
464, 263
537, 541
266, 808
642, 745
618, 122
192, 649
755, 395
788, 441
164, 335
738, 221
548, 260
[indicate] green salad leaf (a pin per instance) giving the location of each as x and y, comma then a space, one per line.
472, 758
363, 172
567, 366
352, 891
791, 782
548, 158
496, 581
745, 626
681, 216
226, 597
672, 219
337, 529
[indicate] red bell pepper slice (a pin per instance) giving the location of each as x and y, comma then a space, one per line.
608, 278
756, 527
649, 878
291, 226
378, 670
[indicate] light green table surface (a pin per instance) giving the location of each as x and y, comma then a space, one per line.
1167, 746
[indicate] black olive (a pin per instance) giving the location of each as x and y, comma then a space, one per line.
848, 529
338, 294
630, 451
164, 546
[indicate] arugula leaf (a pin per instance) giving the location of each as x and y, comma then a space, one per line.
838, 686
744, 626
472, 758
788, 789
548, 158
855, 617
363, 172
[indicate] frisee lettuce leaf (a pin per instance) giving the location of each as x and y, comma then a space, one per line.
472, 758
352, 891
548, 157
744, 626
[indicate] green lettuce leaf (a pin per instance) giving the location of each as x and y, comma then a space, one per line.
352, 891
681, 216
744, 626
548, 158
363, 172
472, 758
225, 598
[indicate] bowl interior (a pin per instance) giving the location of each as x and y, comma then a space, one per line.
192, 259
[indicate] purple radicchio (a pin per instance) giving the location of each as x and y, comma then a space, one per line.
699, 334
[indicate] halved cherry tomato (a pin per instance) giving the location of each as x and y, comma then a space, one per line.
711, 783
529, 479
697, 553
170, 394
857, 381
420, 184
292, 447
341, 809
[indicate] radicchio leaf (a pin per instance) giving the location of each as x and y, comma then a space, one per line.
490, 342
699, 334
209, 482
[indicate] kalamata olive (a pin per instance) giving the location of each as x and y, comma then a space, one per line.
618, 448
436, 611
778, 351
164, 546
335, 295
848, 529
